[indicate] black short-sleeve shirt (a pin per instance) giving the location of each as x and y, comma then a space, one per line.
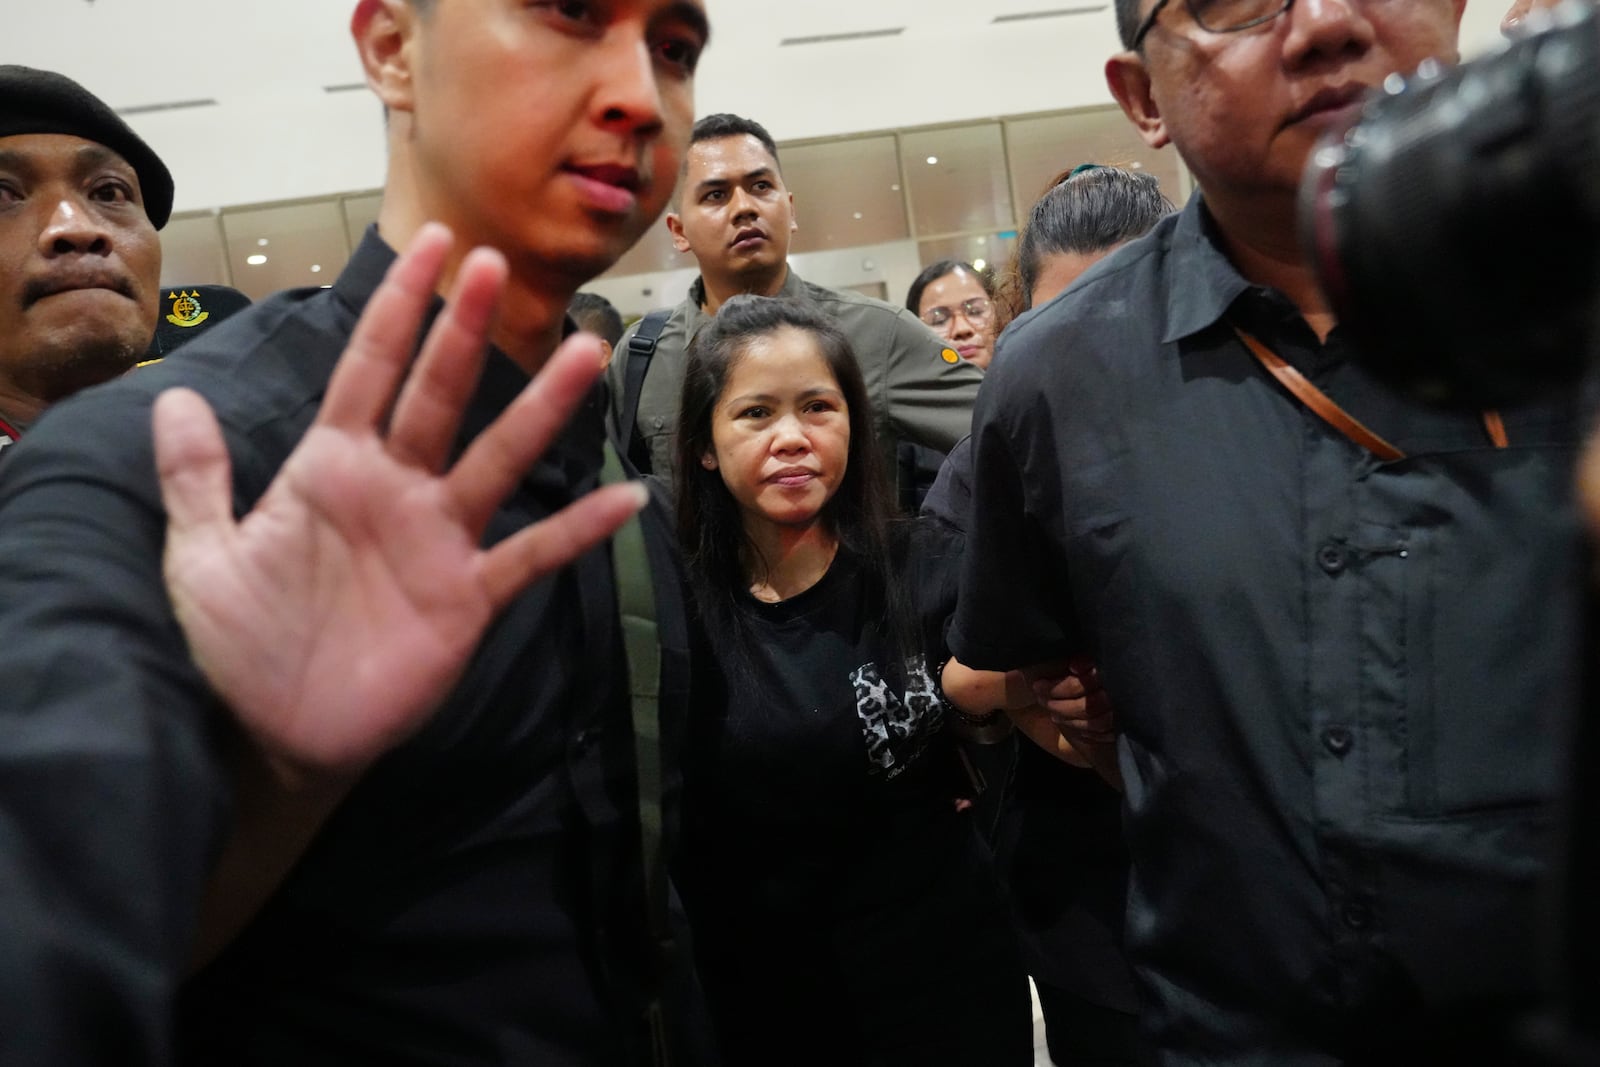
1338, 681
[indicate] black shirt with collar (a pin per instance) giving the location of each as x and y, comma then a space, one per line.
477, 897
1339, 682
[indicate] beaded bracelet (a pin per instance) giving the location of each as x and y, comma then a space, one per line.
977, 722
972, 722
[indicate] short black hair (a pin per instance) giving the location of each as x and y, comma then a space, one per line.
938, 270
1127, 21
716, 127
596, 314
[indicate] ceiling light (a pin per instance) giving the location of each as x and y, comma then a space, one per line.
830, 38
933, 161
895, 188
256, 261
316, 268
174, 105
858, 214
1024, 16
979, 264
262, 243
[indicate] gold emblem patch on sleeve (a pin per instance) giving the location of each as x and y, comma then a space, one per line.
186, 309
950, 356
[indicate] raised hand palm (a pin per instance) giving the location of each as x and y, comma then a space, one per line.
341, 610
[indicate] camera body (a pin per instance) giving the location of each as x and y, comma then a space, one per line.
1455, 225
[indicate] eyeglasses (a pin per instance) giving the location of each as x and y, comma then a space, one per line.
1218, 16
975, 311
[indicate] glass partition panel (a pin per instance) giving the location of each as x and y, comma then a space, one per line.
987, 252
191, 252
1041, 148
359, 213
292, 245
957, 180
847, 193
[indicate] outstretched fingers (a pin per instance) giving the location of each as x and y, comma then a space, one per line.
441, 383
498, 458
193, 467
364, 383
530, 554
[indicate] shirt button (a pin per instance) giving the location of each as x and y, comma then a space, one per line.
1337, 739
661, 420
1331, 558
585, 739
1357, 916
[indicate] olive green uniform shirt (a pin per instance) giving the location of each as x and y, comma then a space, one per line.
921, 389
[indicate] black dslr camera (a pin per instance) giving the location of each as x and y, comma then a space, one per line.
1455, 227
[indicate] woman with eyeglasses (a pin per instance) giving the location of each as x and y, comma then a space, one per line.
953, 298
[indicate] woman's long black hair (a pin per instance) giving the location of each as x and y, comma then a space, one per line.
710, 524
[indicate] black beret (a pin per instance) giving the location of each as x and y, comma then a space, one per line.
42, 101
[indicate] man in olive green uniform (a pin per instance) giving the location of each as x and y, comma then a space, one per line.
735, 215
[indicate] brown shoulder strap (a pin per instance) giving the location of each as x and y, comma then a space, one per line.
1328, 410
1320, 403
1495, 427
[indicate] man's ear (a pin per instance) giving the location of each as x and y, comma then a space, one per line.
675, 227
794, 220
1129, 82
383, 32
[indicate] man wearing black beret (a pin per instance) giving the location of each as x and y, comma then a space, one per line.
81, 199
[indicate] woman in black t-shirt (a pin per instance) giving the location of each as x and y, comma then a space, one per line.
843, 911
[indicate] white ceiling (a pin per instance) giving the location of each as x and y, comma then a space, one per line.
276, 133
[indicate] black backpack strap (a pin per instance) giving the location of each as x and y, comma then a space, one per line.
641, 346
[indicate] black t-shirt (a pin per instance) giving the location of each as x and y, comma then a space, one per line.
837, 897
825, 736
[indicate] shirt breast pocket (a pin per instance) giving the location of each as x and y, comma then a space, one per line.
1471, 614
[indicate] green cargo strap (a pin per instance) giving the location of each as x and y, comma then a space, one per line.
636, 605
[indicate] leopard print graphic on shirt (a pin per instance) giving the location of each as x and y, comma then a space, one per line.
896, 728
